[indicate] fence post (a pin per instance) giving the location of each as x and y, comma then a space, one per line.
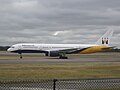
54, 84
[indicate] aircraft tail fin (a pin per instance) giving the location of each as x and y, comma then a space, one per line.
105, 39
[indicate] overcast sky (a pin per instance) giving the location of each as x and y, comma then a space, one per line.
58, 21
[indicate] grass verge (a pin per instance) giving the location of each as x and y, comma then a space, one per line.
51, 71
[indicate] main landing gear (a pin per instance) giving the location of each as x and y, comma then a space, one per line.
63, 56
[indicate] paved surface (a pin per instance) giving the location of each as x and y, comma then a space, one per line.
50, 61
107, 57
63, 85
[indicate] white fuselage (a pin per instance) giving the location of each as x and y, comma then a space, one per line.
47, 47
61, 49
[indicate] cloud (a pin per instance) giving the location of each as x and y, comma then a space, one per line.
23, 4
58, 21
61, 32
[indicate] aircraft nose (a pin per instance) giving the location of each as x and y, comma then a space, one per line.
9, 50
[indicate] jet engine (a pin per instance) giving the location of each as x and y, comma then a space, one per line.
52, 53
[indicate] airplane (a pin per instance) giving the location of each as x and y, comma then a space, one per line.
60, 50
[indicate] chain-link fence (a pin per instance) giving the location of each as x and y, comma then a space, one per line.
62, 84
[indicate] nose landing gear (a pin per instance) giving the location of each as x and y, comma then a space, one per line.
21, 56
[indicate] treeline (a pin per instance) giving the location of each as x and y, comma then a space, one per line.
115, 50
4, 48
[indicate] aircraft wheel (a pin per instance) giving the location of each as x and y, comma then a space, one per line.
20, 55
63, 57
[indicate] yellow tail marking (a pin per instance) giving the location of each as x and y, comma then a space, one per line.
94, 49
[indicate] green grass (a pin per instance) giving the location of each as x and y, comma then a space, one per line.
67, 71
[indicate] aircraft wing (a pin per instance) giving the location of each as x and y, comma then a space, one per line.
70, 50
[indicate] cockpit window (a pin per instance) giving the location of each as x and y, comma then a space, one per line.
12, 47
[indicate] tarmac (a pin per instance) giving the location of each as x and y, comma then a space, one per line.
101, 57
55, 61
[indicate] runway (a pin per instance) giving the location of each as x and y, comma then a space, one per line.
36, 59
